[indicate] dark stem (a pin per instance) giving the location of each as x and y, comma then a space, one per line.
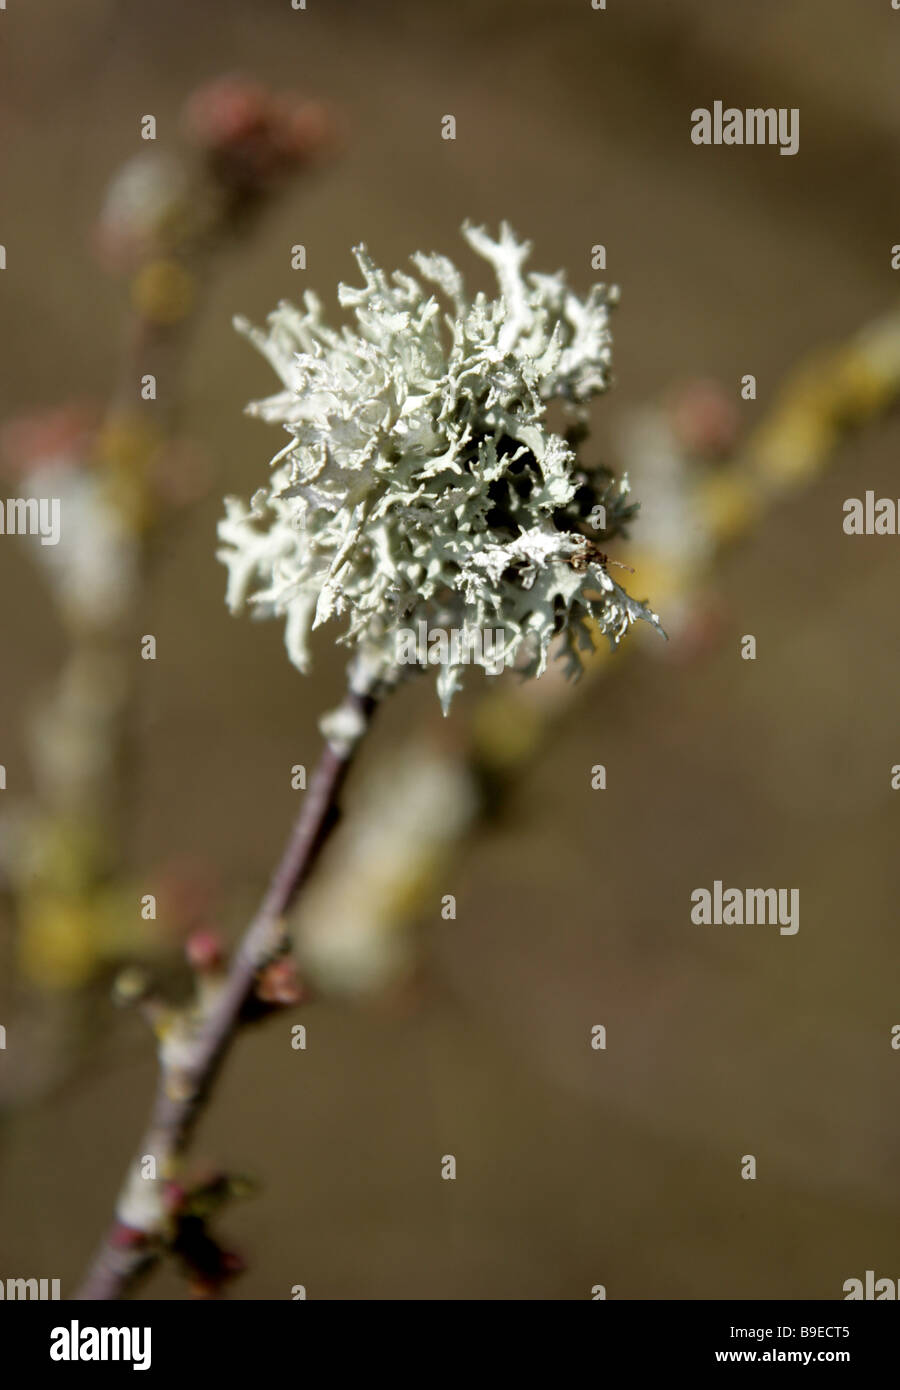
129, 1251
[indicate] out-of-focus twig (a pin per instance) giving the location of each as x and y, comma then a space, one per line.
123, 474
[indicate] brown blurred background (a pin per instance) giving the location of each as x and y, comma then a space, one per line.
575, 1167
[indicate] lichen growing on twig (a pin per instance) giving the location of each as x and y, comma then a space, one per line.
421, 480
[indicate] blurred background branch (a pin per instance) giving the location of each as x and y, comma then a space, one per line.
355, 929
125, 474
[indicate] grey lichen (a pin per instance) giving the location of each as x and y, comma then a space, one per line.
421, 481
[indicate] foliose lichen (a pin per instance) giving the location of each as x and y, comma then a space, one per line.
420, 480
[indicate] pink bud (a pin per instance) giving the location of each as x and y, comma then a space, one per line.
205, 951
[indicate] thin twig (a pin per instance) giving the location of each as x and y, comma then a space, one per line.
135, 1240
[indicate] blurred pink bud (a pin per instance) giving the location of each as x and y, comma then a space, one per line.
253, 135
205, 950
304, 129
279, 983
226, 111
61, 434
174, 1195
705, 418
126, 1237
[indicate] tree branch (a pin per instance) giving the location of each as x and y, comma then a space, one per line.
136, 1238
